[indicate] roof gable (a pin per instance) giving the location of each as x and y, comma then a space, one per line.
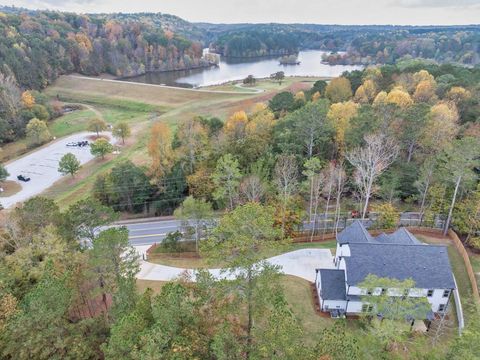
401, 236
354, 233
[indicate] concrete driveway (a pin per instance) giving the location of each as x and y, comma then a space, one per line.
41, 166
301, 263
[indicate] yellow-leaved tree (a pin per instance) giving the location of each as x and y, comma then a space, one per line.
27, 99
340, 115
338, 90
160, 150
399, 97
441, 127
366, 92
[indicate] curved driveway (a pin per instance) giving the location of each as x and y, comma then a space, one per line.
301, 263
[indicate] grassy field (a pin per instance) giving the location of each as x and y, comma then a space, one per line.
140, 105
300, 83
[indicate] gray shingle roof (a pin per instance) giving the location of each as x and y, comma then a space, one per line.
354, 233
428, 265
332, 284
401, 236
357, 233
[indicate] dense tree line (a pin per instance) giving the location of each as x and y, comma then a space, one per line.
257, 43
39, 46
444, 45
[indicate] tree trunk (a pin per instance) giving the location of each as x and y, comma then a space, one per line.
452, 205
326, 207
337, 204
196, 237
250, 314
367, 198
410, 151
311, 200
424, 198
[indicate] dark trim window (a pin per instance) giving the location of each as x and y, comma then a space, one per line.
430, 293
384, 291
446, 293
441, 307
366, 308
369, 292
406, 292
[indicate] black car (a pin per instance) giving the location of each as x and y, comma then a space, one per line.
23, 178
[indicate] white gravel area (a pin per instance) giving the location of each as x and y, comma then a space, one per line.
41, 166
301, 263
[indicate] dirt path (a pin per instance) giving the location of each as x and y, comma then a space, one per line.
89, 107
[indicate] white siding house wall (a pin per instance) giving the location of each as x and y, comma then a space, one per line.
436, 299
354, 307
333, 305
342, 250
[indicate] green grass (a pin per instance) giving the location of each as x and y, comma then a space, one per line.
188, 259
70, 123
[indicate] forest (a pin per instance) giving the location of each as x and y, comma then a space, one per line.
37, 47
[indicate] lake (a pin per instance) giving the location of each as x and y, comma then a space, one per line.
238, 69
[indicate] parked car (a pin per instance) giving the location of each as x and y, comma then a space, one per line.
78, 143
23, 178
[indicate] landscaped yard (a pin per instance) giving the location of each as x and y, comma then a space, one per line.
189, 259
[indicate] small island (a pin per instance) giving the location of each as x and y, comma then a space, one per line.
289, 60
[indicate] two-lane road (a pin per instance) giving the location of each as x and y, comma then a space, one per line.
151, 232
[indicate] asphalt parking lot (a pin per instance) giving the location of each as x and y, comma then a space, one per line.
41, 166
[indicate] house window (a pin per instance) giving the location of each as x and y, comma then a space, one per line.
369, 292
384, 291
430, 293
406, 292
366, 308
446, 293
441, 308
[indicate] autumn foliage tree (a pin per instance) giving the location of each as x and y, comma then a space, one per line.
160, 149
338, 90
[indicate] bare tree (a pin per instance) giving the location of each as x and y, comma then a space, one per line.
370, 162
286, 173
252, 188
317, 186
339, 178
329, 176
423, 183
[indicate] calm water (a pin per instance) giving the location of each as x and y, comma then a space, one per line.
238, 69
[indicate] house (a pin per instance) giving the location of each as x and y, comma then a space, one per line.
398, 256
